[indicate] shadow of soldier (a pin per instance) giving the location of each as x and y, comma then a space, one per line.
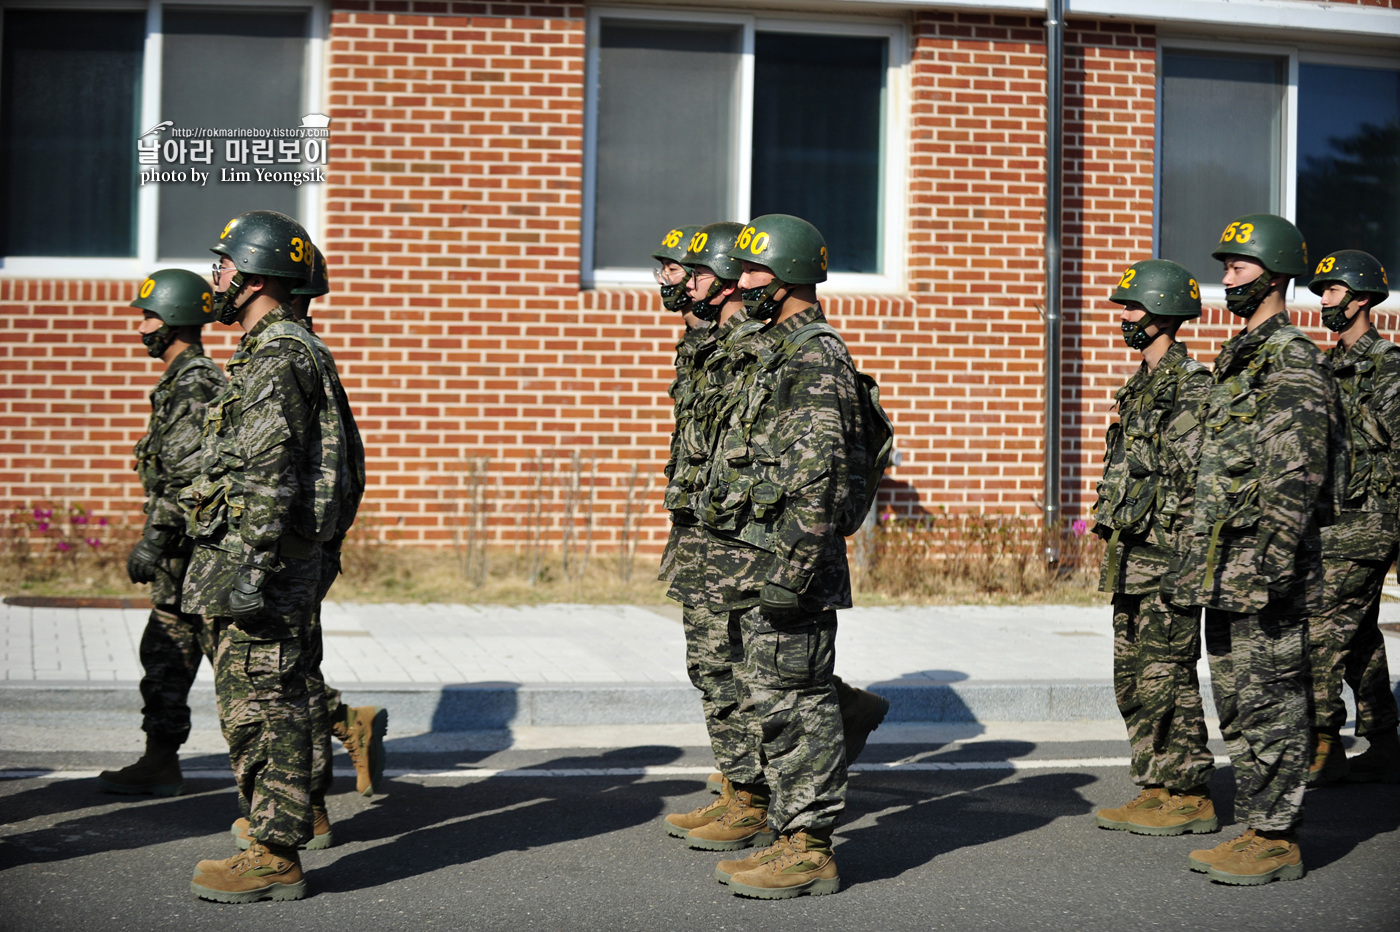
427, 826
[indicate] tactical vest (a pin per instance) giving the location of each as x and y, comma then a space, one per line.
1137, 497
148, 448
1372, 483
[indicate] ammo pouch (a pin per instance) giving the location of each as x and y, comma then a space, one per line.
211, 506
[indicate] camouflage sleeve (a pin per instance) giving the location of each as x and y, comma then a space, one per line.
281, 393
181, 438
1293, 441
818, 424
1386, 401
1185, 439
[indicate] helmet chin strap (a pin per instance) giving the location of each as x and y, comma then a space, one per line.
225, 303
761, 302
1135, 331
1335, 318
1244, 300
158, 341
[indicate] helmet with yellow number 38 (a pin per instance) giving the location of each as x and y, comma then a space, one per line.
262, 242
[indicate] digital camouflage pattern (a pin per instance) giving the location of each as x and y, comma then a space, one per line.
1155, 650
1149, 474
1145, 500
1269, 426
781, 481
685, 539
1258, 671
714, 649
172, 646
1346, 642
786, 680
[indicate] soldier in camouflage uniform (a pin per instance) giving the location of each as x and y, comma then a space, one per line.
1253, 558
259, 512
1144, 504
176, 304
783, 480
1357, 551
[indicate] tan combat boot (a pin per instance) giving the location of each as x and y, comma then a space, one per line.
1204, 859
1267, 857
362, 733
1178, 814
807, 866
1329, 764
724, 870
263, 872
743, 824
715, 782
322, 837
1118, 819
861, 713
679, 824
1379, 763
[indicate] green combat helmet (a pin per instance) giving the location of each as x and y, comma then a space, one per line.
180, 298
673, 248
709, 249
262, 242
790, 247
319, 284
1271, 241
1160, 287
1360, 272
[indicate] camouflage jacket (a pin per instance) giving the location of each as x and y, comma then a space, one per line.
698, 405
168, 456
779, 481
1368, 376
255, 455
1149, 471
1266, 457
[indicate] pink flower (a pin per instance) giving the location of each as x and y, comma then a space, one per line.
887, 516
101, 522
94, 541
42, 525
1079, 527
42, 513
64, 546
79, 519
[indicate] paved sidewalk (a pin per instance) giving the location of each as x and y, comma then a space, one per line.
450, 668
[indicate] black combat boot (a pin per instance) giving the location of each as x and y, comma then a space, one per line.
157, 772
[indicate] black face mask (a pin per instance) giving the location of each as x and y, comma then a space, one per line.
675, 297
1135, 332
1244, 300
1335, 318
225, 307
759, 301
158, 341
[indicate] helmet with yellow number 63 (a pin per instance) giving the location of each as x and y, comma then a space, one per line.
1268, 239
1360, 271
788, 246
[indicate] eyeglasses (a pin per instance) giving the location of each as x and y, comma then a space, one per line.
673, 274
220, 271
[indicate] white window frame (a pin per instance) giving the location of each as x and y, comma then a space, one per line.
893, 174
1288, 180
311, 197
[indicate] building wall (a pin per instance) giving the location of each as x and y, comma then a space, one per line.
453, 233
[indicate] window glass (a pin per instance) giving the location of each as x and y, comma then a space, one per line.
69, 99
227, 68
665, 147
1221, 149
818, 109
1349, 161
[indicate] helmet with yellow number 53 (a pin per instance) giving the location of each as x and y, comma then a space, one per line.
1268, 239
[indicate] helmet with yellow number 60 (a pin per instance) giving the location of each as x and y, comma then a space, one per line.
789, 246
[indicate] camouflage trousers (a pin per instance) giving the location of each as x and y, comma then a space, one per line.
713, 649
261, 680
1346, 644
171, 648
324, 705
785, 688
1155, 650
1259, 674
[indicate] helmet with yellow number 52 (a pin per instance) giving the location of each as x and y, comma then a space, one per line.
1268, 239
1162, 287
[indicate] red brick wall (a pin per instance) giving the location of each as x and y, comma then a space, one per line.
452, 228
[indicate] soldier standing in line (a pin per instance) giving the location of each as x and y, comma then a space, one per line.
1358, 550
783, 481
1144, 505
176, 304
1253, 559
259, 513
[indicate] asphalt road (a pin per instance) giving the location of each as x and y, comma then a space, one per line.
526, 843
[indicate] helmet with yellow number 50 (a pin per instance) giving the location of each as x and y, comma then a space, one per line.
1162, 287
1268, 239
788, 246
180, 298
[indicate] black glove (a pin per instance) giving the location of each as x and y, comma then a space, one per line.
246, 599
775, 600
141, 566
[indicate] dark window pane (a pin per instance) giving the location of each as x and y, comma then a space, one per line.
225, 68
1221, 145
1349, 161
817, 117
665, 148
69, 92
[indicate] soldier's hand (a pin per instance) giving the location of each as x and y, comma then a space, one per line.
245, 600
775, 600
144, 560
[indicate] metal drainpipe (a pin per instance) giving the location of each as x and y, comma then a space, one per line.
1054, 204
